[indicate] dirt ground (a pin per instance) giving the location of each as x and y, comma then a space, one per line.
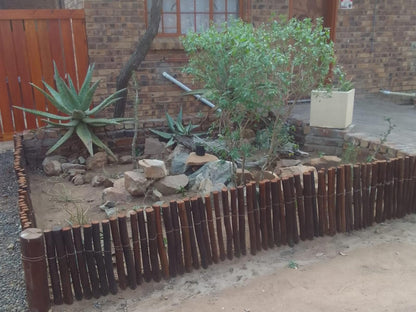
368, 270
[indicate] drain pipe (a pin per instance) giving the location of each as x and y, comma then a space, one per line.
187, 89
409, 94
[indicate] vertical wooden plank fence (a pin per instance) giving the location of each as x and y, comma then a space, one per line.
30, 40
347, 198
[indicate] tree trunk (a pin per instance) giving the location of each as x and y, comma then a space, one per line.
138, 56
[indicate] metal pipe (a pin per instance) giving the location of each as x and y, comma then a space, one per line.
409, 94
187, 89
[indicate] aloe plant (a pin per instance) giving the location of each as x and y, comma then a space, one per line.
176, 127
77, 110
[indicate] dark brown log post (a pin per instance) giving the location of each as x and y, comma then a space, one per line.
380, 190
262, 209
250, 216
322, 214
85, 282
115, 233
349, 221
53, 268
211, 229
108, 260
177, 235
276, 213
341, 218
256, 210
147, 271
34, 267
134, 224
160, 243
234, 222
128, 254
170, 237
217, 210
89, 256
289, 207
373, 192
357, 197
227, 223
198, 232
413, 204
314, 206
204, 228
269, 222
241, 219
151, 230
72, 262
388, 191
186, 240
63, 265
307, 196
365, 193
331, 202
194, 248
99, 257
283, 227
395, 208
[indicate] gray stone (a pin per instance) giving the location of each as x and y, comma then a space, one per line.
81, 160
218, 172
78, 179
126, 159
153, 146
325, 162
172, 184
97, 161
153, 168
195, 160
52, 167
74, 172
110, 212
288, 163
100, 180
206, 187
61, 159
116, 193
178, 160
135, 183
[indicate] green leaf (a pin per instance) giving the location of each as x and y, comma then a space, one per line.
55, 102
171, 122
111, 99
101, 144
86, 84
179, 118
162, 134
103, 121
170, 142
84, 134
67, 95
72, 123
181, 128
43, 114
86, 99
61, 141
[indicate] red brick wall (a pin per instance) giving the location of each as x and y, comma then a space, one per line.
379, 56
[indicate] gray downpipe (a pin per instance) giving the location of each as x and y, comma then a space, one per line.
187, 89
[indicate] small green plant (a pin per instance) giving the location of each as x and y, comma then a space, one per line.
182, 190
350, 153
77, 216
293, 265
76, 106
177, 129
340, 81
383, 139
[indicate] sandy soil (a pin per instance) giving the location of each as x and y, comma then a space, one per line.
368, 270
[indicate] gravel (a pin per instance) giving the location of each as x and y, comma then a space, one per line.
12, 286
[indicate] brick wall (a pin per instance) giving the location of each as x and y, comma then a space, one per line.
376, 55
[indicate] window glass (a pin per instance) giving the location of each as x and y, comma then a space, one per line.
232, 6
202, 22
188, 6
202, 6
187, 23
169, 23
168, 6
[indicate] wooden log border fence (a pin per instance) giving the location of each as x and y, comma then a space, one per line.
202, 231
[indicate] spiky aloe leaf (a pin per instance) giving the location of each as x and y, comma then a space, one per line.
111, 99
84, 134
101, 144
67, 95
179, 118
71, 85
43, 114
162, 134
86, 84
171, 122
87, 98
101, 121
181, 128
170, 142
71, 124
57, 103
61, 141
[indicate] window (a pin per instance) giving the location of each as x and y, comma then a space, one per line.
182, 16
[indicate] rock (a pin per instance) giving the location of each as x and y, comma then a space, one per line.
218, 172
89, 176
81, 160
290, 171
325, 162
61, 159
100, 180
172, 184
97, 161
78, 179
153, 146
195, 160
156, 195
178, 159
52, 167
288, 163
107, 204
265, 175
68, 166
111, 159
126, 159
153, 168
206, 187
116, 193
248, 176
74, 172
135, 183
110, 212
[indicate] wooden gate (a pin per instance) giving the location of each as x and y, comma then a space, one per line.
30, 40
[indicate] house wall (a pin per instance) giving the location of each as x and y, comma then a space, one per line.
375, 42
30, 4
73, 4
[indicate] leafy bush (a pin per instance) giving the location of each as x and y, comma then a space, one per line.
76, 106
252, 74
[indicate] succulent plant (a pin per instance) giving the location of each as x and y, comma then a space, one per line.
76, 109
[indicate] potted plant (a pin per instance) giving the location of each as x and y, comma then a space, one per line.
333, 107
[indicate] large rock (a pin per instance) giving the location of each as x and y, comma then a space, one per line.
178, 160
69, 166
218, 172
126, 159
116, 193
97, 161
325, 162
100, 180
153, 168
206, 187
135, 183
153, 146
51, 167
195, 160
172, 184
